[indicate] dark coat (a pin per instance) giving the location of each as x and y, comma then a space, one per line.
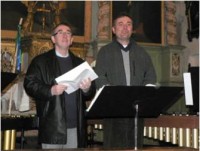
51, 110
110, 67
119, 132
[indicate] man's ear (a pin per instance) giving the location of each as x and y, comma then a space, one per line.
53, 39
113, 30
72, 40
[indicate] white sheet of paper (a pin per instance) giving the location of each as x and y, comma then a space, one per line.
94, 99
73, 78
150, 85
188, 88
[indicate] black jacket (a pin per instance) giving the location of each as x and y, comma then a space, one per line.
39, 79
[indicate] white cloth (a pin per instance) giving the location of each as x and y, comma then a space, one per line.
15, 99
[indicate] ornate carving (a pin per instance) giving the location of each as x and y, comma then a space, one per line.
57, 7
170, 8
176, 64
104, 20
28, 23
7, 55
36, 44
47, 7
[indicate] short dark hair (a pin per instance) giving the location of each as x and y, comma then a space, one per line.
65, 24
121, 14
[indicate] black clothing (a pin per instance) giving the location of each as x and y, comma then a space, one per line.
110, 68
127, 48
70, 99
51, 110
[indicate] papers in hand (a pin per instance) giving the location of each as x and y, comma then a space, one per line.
73, 78
94, 99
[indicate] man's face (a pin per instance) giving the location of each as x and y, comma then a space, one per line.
62, 37
123, 28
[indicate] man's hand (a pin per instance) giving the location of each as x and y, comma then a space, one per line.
58, 89
85, 85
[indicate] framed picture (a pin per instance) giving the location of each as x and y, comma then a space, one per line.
148, 19
78, 13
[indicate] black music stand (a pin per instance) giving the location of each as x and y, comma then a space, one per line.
133, 101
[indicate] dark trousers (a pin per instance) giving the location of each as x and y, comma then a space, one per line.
119, 133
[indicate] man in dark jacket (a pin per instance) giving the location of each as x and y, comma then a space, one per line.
61, 115
123, 62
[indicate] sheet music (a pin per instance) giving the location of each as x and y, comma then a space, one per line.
188, 88
73, 77
150, 85
94, 99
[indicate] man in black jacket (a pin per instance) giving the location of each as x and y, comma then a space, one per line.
61, 115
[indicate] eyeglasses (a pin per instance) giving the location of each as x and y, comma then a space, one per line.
60, 32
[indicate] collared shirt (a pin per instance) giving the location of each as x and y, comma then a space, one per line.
60, 55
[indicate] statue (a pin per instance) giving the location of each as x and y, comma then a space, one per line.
29, 21
57, 18
54, 8
57, 8
103, 20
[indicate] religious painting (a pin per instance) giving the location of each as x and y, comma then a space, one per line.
43, 15
148, 19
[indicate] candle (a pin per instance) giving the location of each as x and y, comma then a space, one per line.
20, 21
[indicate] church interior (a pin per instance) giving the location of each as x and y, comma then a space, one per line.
170, 35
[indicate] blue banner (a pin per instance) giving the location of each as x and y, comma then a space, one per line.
18, 50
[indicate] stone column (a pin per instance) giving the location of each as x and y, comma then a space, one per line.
171, 25
104, 17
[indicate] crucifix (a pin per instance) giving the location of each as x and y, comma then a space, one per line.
43, 10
